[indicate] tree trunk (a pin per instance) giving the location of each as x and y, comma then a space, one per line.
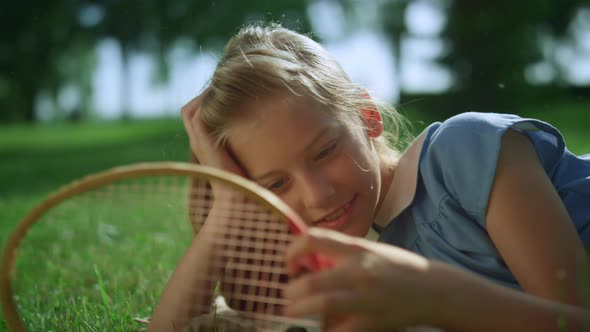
126, 79
28, 103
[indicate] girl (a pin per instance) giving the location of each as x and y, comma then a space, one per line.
481, 220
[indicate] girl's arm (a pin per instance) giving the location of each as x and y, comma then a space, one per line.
531, 228
533, 232
183, 298
180, 301
470, 303
175, 307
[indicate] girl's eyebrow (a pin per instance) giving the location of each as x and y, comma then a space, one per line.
317, 137
309, 145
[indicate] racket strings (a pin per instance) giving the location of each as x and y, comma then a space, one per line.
250, 241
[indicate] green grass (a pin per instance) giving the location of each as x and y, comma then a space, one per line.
97, 265
96, 273
88, 274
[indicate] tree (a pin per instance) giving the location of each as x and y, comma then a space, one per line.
36, 39
491, 45
40, 39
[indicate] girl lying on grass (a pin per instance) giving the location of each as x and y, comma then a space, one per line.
482, 219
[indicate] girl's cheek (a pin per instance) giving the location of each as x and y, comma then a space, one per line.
293, 198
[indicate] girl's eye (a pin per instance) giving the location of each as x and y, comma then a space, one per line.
276, 185
325, 152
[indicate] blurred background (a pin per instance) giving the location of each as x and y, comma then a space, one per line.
68, 60
86, 85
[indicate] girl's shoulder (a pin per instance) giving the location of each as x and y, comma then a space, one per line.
459, 159
475, 125
468, 135
459, 155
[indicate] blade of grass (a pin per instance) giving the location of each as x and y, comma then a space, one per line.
106, 300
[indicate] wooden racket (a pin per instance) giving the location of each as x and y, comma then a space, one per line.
244, 274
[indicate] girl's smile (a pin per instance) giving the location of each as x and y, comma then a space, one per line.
339, 218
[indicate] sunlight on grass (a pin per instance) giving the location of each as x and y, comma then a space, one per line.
64, 135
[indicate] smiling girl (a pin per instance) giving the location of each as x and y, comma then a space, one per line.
481, 219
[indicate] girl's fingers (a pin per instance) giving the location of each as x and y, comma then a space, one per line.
188, 127
350, 324
337, 302
323, 242
200, 130
342, 277
188, 113
201, 143
192, 106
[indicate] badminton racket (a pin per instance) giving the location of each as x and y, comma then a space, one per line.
111, 239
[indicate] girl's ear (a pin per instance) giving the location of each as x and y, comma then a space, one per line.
372, 119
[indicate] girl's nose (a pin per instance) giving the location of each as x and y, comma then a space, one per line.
317, 190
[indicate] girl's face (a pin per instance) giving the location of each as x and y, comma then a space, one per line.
328, 173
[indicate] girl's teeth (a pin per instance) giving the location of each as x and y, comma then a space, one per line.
335, 215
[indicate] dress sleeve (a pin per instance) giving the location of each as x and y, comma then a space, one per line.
462, 154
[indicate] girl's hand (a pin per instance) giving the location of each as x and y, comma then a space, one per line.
372, 286
201, 143
205, 152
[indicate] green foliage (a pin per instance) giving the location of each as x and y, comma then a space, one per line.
491, 44
45, 45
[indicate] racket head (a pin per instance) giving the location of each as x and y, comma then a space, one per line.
248, 249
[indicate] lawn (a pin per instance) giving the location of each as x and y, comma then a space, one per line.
97, 273
91, 274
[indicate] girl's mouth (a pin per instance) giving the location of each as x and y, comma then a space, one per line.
337, 219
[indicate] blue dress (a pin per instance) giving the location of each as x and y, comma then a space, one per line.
446, 219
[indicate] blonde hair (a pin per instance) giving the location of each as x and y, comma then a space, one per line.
265, 60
